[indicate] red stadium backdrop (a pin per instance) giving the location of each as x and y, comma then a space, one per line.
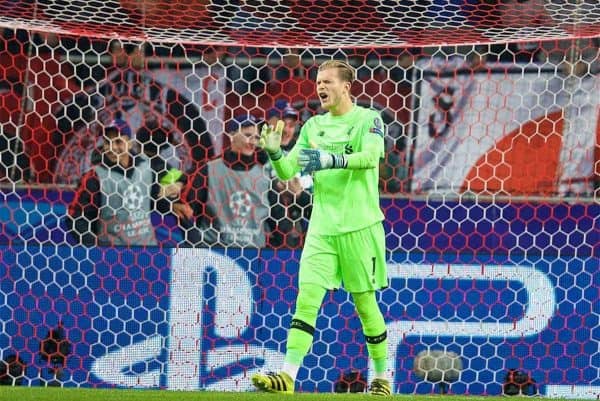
158, 98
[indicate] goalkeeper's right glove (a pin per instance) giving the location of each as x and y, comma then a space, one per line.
270, 140
312, 160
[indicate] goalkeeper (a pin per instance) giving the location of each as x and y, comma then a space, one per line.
345, 242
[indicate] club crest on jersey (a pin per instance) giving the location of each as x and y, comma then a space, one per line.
377, 127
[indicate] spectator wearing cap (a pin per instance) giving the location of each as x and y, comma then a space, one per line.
291, 199
113, 202
229, 195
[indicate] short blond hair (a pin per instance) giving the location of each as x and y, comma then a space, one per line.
345, 71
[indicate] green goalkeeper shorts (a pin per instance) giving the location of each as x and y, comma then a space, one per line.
356, 259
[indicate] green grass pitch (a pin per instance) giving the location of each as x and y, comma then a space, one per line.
74, 394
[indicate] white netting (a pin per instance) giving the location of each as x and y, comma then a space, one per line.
489, 185
360, 23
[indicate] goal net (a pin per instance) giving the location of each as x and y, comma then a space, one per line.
146, 242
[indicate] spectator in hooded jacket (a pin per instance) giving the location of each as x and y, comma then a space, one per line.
113, 203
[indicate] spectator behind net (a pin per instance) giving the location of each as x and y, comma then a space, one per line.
153, 140
229, 195
290, 199
113, 203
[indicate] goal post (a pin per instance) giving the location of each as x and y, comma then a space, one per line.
489, 185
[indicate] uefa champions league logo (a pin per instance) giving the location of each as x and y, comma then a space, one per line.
133, 198
241, 205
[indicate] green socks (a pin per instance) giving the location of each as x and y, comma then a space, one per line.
374, 329
308, 304
302, 329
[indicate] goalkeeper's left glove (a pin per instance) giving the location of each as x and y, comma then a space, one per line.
314, 160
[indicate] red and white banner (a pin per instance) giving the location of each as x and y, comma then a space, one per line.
507, 129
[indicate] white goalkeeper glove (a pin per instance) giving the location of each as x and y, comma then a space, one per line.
314, 160
270, 140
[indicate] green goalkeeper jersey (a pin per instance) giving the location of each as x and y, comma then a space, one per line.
345, 200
